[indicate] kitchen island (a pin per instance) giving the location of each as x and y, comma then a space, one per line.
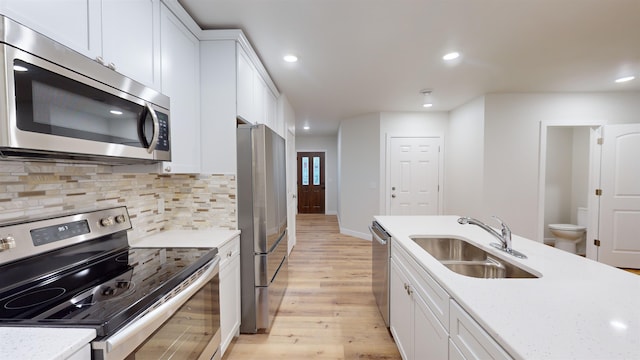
576, 308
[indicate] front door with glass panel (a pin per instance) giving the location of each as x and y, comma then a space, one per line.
311, 185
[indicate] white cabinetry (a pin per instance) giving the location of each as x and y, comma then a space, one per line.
181, 82
234, 85
84, 353
122, 32
470, 339
416, 329
256, 103
426, 323
131, 40
229, 291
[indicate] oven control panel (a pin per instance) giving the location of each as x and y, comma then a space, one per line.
38, 236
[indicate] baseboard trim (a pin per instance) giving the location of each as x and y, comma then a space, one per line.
364, 236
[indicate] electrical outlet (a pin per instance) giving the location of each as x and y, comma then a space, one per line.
160, 206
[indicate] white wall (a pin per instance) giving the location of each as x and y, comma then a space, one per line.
358, 174
287, 118
511, 145
464, 160
406, 124
579, 171
328, 145
558, 177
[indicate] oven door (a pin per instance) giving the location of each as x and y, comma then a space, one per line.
187, 326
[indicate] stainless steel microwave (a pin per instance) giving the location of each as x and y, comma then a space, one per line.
59, 104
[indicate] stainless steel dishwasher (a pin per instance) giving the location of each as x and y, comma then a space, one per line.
380, 254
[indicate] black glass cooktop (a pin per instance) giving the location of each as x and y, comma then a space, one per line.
101, 284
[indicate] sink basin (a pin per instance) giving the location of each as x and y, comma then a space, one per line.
451, 249
467, 259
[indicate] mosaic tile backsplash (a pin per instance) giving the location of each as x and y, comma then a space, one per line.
155, 202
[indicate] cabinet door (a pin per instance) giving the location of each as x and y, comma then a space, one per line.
84, 353
229, 301
454, 352
245, 90
73, 23
181, 82
470, 338
131, 38
271, 112
400, 311
431, 340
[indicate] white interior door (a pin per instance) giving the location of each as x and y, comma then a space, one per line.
292, 201
414, 175
619, 225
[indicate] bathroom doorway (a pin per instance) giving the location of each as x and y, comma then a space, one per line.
566, 156
612, 189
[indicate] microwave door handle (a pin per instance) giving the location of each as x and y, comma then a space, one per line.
156, 128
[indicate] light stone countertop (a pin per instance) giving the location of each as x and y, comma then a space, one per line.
577, 309
21, 343
187, 238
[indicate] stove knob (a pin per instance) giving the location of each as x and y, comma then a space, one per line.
7, 243
120, 219
108, 221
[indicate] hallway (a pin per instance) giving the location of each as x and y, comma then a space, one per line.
328, 311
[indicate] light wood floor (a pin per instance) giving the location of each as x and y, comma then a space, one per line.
328, 311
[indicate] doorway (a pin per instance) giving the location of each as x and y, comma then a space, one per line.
613, 190
311, 184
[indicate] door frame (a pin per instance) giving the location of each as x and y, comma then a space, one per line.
326, 192
386, 192
594, 177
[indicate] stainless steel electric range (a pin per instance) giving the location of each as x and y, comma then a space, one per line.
78, 270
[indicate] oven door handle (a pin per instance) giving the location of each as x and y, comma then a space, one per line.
122, 343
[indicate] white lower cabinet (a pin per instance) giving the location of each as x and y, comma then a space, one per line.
229, 292
472, 341
454, 352
84, 353
415, 328
401, 310
426, 323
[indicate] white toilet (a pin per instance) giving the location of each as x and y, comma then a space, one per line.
567, 236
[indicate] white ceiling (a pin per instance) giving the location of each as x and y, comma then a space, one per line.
364, 56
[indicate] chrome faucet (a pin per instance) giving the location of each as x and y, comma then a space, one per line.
504, 237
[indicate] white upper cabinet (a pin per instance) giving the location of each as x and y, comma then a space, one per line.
181, 82
131, 38
234, 85
256, 103
73, 23
246, 76
124, 33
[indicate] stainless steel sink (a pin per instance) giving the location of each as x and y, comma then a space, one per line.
467, 259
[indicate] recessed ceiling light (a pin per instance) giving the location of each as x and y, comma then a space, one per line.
306, 127
116, 112
290, 58
427, 102
625, 79
451, 56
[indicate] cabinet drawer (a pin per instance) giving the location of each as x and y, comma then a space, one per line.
433, 294
229, 250
472, 341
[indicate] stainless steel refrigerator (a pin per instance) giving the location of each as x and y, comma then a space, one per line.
262, 220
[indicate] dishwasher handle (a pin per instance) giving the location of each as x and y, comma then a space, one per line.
379, 234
